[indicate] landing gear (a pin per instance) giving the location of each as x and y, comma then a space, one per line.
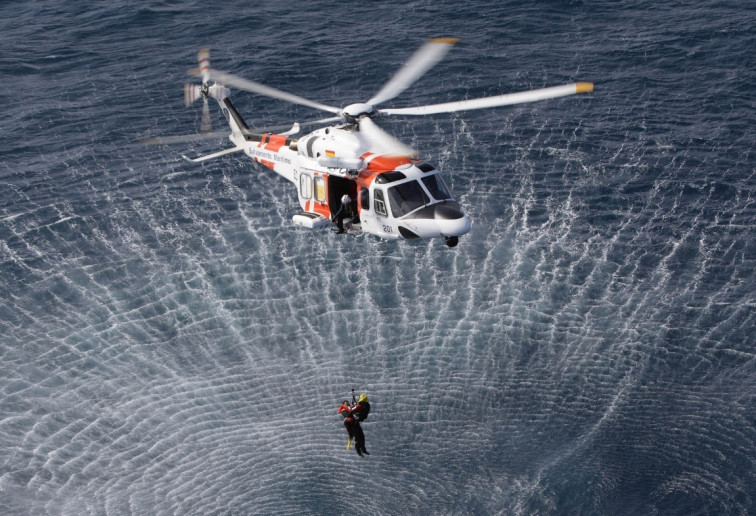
452, 241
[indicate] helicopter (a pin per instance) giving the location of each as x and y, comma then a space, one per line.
351, 166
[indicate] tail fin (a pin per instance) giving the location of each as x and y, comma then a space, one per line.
235, 120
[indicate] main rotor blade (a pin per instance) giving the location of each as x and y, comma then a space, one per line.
421, 61
383, 142
322, 121
185, 138
499, 100
276, 128
255, 87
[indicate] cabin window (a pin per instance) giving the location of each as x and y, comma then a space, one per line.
437, 187
320, 189
305, 186
380, 204
364, 199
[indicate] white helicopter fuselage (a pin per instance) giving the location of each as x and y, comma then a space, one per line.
354, 172
393, 197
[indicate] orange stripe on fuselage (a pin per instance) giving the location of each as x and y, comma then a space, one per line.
275, 142
377, 166
388, 163
322, 209
318, 207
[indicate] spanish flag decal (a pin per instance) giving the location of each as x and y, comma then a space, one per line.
330, 154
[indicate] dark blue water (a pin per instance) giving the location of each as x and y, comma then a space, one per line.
172, 344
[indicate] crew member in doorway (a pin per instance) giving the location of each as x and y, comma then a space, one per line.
345, 211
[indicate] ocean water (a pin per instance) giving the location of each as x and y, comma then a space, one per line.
171, 344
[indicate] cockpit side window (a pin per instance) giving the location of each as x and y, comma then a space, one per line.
437, 187
406, 197
379, 204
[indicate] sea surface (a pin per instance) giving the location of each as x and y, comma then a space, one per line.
170, 343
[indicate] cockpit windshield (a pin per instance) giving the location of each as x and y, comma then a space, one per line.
437, 187
406, 197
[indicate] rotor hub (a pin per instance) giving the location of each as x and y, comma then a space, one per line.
353, 112
205, 90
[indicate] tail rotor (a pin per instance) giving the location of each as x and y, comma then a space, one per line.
193, 92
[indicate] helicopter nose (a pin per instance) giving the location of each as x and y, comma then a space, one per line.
452, 220
441, 211
443, 219
447, 212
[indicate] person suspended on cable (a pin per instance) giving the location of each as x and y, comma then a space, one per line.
346, 413
359, 411
352, 415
